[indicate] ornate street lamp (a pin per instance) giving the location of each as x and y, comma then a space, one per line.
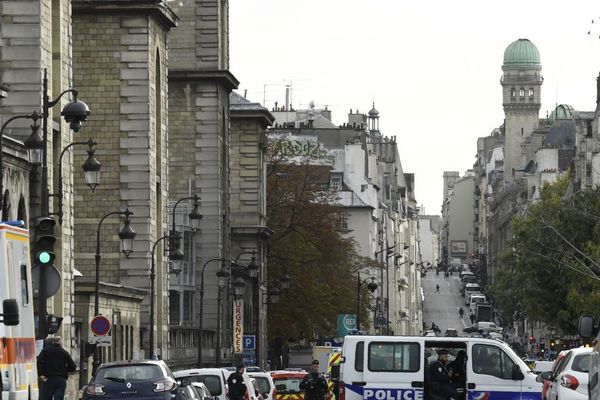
127, 234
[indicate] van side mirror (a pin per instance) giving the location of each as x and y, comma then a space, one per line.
586, 326
10, 312
517, 374
546, 375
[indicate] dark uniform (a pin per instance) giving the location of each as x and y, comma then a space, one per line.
313, 384
441, 385
54, 365
236, 384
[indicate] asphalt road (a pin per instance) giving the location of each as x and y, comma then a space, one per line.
442, 308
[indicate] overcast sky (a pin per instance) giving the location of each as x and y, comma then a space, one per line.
432, 67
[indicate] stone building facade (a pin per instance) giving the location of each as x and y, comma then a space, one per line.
120, 65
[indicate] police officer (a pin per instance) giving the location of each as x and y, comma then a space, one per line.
313, 384
441, 386
236, 384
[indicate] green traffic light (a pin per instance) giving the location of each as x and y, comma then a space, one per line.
44, 257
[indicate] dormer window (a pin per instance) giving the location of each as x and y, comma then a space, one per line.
336, 181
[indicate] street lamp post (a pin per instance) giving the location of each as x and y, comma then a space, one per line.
91, 168
201, 327
175, 253
222, 274
75, 113
152, 279
201, 307
127, 234
372, 286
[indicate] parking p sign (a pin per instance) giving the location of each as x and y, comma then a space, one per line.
249, 342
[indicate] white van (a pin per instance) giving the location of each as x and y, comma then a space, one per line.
397, 368
471, 288
476, 298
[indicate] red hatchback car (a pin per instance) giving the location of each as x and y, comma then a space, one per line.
559, 360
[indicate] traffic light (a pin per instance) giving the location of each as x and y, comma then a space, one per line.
542, 347
552, 344
44, 241
531, 340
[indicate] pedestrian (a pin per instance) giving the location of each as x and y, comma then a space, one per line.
236, 384
461, 311
472, 318
313, 384
440, 377
437, 288
54, 365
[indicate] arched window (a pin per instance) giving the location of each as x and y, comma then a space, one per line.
530, 92
513, 92
22, 211
521, 92
6, 206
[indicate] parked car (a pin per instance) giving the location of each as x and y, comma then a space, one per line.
451, 332
482, 326
147, 379
559, 359
569, 381
265, 384
193, 391
213, 378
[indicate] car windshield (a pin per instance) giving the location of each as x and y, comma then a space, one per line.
581, 363
287, 385
263, 384
123, 373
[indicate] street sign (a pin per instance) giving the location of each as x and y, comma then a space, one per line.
100, 340
100, 325
249, 342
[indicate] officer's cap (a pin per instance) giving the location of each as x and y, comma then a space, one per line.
442, 352
315, 362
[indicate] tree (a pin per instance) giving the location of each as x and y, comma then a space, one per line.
551, 271
308, 244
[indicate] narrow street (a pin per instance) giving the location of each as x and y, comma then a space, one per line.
442, 308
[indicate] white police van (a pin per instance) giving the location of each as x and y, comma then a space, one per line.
396, 368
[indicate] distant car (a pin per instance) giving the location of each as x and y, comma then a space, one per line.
213, 378
569, 381
430, 332
451, 332
147, 379
193, 391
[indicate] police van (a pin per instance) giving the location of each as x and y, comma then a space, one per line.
397, 368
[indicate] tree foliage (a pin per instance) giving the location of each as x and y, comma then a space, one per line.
551, 269
308, 245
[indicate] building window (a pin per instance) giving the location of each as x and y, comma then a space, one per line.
521, 92
336, 182
530, 92
343, 221
513, 92
24, 290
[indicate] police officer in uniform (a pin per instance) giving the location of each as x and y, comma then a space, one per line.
441, 385
236, 384
313, 384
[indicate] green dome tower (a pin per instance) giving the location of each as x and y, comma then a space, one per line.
521, 98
